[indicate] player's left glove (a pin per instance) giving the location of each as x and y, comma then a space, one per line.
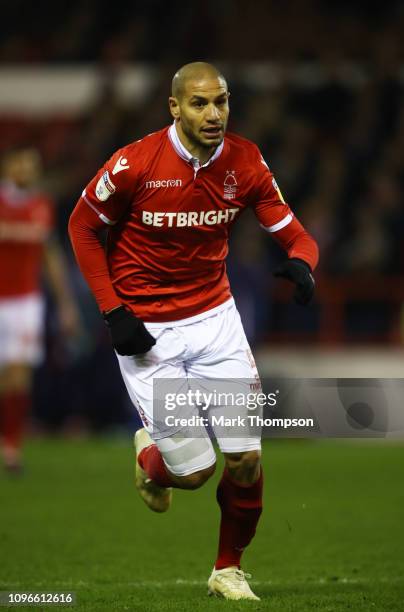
299, 272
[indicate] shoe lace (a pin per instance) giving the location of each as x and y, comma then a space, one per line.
242, 575
236, 577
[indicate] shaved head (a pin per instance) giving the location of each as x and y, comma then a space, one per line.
199, 104
196, 71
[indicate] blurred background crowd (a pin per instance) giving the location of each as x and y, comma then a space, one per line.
317, 85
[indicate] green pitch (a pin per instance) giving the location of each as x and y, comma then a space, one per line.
331, 537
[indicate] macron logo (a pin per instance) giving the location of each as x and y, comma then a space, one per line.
164, 183
121, 164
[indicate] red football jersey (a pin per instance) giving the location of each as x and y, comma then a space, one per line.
25, 223
169, 220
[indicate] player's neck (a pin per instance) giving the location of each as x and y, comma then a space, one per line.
201, 153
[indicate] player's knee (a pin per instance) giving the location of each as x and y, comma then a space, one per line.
244, 467
247, 460
197, 479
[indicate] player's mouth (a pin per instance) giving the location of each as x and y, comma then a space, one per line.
214, 131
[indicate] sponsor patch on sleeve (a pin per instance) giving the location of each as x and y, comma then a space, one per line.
278, 191
104, 187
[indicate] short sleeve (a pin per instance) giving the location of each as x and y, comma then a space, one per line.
111, 191
268, 204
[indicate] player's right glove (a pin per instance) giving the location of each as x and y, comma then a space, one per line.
299, 272
128, 333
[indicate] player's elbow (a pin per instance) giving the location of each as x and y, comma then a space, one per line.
75, 230
81, 223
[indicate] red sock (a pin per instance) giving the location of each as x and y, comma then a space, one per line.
14, 407
151, 461
241, 507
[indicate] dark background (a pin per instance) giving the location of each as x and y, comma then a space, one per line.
317, 85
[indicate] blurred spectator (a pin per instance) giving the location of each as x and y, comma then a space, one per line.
370, 248
26, 222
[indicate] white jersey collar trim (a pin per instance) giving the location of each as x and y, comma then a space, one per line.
185, 154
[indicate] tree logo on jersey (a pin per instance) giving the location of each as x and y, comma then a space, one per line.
121, 164
104, 187
230, 185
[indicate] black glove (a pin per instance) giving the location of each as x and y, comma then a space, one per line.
128, 333
299, 272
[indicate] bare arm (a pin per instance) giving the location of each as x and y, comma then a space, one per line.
56, 274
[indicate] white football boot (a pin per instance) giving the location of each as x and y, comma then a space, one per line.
157, 498
230, 583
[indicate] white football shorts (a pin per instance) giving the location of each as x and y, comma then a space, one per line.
208, 346
21, 329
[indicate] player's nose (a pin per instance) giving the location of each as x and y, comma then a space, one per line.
212, 113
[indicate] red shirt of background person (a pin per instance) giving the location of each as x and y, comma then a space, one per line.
26, 221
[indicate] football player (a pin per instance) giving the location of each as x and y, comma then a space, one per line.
26, 247
169, 202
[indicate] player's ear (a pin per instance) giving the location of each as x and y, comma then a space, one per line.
174, 107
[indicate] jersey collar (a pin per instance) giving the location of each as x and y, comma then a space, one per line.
185, 154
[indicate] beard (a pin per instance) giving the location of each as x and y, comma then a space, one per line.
197, 140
